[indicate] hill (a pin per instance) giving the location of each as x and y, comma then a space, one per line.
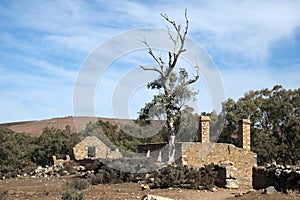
77, 124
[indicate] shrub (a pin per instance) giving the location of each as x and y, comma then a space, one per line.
72, 195
79, 184
97, 179
4, 195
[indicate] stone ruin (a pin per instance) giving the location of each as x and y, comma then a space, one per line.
235, 163
93, 148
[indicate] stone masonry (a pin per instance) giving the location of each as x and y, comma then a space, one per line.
244, 134
101, 150
199, 154
204, 129
204, 152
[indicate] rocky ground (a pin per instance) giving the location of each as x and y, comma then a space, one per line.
52, 188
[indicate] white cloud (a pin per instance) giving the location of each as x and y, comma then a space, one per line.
44, 43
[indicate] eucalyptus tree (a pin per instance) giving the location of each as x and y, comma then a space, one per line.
173, 83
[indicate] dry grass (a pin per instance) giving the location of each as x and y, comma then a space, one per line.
46, 189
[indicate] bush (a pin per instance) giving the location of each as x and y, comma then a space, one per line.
72, 195
79, 184
4, 195
97, 179
184, 177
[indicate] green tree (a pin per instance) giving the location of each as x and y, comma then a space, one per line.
275, 123
122, 136
15, 153
54, 142
173, 87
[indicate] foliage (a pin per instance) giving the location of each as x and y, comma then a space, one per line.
169, 176
275, 117
78, 184
15, 151
173, 87
72, 195
173, 104
20, 153
54, 141
126, 137
4, 195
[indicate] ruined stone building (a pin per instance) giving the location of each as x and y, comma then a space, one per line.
204, 152
93, 148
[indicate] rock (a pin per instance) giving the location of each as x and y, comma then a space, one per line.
239, 194
231, 184
80, 168
214, 189
145, 187
154, 197
10, 192
269, 190
287, 171
151, 180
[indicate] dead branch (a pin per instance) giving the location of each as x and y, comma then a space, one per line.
173, 56
181, 37
158, 60
152, 69
196, 77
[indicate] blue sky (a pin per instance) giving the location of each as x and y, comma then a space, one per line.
254, 45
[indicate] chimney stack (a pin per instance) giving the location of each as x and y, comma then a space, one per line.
244, 134
204, 129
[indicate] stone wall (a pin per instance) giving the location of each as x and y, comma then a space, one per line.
101, 150
204, 152
199, 154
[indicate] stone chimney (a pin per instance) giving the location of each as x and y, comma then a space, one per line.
204, 129
244, 134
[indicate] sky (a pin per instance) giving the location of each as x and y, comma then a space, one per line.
46, 45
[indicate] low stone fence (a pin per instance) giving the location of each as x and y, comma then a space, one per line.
284, 178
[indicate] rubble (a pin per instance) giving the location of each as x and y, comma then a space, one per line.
48, 172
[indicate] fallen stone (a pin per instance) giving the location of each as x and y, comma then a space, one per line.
269, 190
145, 187
154, 197
213, 189
231, 184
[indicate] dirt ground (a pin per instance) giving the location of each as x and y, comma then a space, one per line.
52, 188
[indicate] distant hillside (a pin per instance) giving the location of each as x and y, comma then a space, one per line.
35, 128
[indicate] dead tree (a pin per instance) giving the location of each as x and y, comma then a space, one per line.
166, 70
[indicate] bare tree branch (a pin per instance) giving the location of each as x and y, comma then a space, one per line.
196, 78
158, 60
173, 56
152, 69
